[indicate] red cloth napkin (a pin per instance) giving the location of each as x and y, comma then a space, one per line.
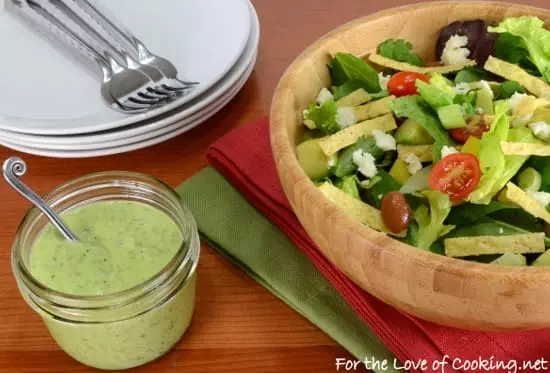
244, 158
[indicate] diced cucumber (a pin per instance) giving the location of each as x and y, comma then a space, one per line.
412, 133
400, 171
510, 259
472, 146
355, 98
485, 101
451, 116
529, 180
543, 260
312, 159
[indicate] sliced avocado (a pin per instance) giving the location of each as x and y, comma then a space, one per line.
485, 101
542, 260
412, 133
355, 98
472, 146
510, 259
312, 159
451, 116
400, 171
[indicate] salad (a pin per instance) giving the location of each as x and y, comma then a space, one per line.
451, 157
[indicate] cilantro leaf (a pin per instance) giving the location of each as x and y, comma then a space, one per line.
507, 89
324, 117
400, 50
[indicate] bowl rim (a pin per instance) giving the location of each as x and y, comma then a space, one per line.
282, 149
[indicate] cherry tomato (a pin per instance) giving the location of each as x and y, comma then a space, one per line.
456, 175
474, 127
404, 83
396, 212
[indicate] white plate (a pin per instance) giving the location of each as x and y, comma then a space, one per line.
52, 94
176, 128
140, 131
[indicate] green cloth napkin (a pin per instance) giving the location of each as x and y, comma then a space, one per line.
246, 238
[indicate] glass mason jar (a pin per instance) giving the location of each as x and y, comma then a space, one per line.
131, 327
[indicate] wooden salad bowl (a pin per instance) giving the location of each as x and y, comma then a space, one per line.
440, 289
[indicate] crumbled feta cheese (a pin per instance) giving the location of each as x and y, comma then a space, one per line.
541, 130
486, 85
383, 80
380, 196
541, 197
365, 183
447, 150
345, 117
413, 163
462, 88
516, 100
384, 141
455, 50
501, 230
365, 162
324, 96
331, 163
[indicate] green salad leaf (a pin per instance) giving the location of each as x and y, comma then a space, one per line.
434, 96
353, 85
507, 89
491, 158
345, 67
511, 48
468, 213
324, 117
385, 184
415, 108
535, 40
430, 222
345, 164
400, 50
349, 185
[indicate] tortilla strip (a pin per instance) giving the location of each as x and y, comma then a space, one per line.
513, 72
423, 152
348, 136
518, 148
355, 98
522, 199
486, 245
374, 109
357, 210
403, 66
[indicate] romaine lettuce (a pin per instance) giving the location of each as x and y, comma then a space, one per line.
535, 37
430, 222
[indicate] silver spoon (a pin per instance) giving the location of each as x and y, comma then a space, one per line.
15, 167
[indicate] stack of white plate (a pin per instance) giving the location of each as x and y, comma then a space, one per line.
50, 103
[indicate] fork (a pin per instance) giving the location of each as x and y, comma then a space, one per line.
159, 88
117, 82
144, 56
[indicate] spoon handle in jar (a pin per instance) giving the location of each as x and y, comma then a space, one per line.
15, 167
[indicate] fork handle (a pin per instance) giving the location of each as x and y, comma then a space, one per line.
110, 24
70, 37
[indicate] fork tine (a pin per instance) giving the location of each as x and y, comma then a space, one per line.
137, 100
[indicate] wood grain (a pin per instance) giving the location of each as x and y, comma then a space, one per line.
238, 326
434, 287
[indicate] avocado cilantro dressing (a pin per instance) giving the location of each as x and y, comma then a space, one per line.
123, 244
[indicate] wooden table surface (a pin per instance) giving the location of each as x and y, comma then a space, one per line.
238, 326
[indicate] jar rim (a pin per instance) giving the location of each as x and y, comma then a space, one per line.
185, 254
